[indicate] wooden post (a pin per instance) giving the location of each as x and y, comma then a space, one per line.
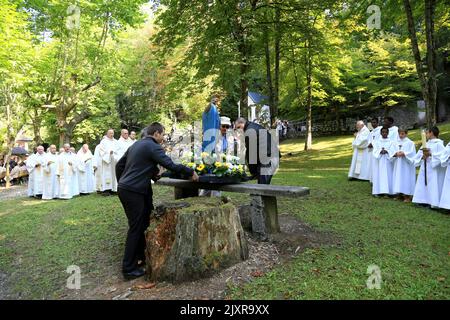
271, 214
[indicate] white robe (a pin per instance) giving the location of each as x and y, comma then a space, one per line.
51, 186
108, 168
67, 175
382, 180
430, 193
123, 145
36, 174
360, 166
76, 178
404, 176
374, 136
85, 167
445, 162
97, 164
393, 133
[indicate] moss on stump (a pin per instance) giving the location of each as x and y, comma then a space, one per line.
193, 238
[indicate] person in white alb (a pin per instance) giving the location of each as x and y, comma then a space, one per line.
404, 176
86, 177
109, 155
360, 166
430, 181
445, 162
124, 143
66, 172
50, 187
35, 167
383, 153
374, 136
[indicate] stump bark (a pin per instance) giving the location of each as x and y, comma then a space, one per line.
193, 238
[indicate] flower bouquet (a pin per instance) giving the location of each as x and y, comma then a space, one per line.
215, 168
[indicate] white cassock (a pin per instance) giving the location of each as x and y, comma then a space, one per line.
85, 167
66, 172
76, 178
35, 174
393, 133
374, 136
430, 193
382, 180
123, 145
51, 187
445, 162
404, 176
360, 167
109, 153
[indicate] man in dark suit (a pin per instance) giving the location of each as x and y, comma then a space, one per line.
134, 171
262, 161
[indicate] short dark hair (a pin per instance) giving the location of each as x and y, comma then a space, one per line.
384, 128
374, 119
403, 130
390, 119
435, 131
154, 127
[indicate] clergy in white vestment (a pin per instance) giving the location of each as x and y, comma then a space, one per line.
66, 172
124, 142
133, 136
404, 175
109, 154
50, 189
374, 136
445, 162
428, 191
393, 130
97, 164
383, 154
76, 180
359, 168
86, 178
35, 167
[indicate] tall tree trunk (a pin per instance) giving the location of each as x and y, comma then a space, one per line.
308, 141
269, 77
427, 84
277, 61
431, 61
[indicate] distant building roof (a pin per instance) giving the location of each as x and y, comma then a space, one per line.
258, 98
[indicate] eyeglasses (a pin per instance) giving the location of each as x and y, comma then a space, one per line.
226, 126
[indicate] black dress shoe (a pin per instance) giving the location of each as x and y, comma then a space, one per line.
139, 272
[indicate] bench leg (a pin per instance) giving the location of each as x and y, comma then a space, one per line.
264, 216
181, 193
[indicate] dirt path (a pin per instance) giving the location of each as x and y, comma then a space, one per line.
264, 256
16, 191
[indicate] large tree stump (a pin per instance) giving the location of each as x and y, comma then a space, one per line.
193, 238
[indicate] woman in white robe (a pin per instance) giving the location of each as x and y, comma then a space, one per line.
404, 176
383, 153
430, 193
444, 203
85, 170
360, 166
50, 178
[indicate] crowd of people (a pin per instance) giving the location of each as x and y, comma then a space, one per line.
67, 173
387, 158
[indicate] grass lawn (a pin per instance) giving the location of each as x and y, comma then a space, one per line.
411, 245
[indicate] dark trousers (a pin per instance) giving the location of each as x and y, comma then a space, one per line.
264, 179
137, 208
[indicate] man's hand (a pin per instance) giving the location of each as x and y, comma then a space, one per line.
195, 177
38, 165
111, 152
156, 177
70, 163
49, 163
370, 146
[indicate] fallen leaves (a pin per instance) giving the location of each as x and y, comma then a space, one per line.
257, 274
144, 286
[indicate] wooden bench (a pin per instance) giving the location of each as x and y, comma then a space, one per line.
267, 193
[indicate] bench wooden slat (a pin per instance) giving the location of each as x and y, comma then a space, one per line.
257, 189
